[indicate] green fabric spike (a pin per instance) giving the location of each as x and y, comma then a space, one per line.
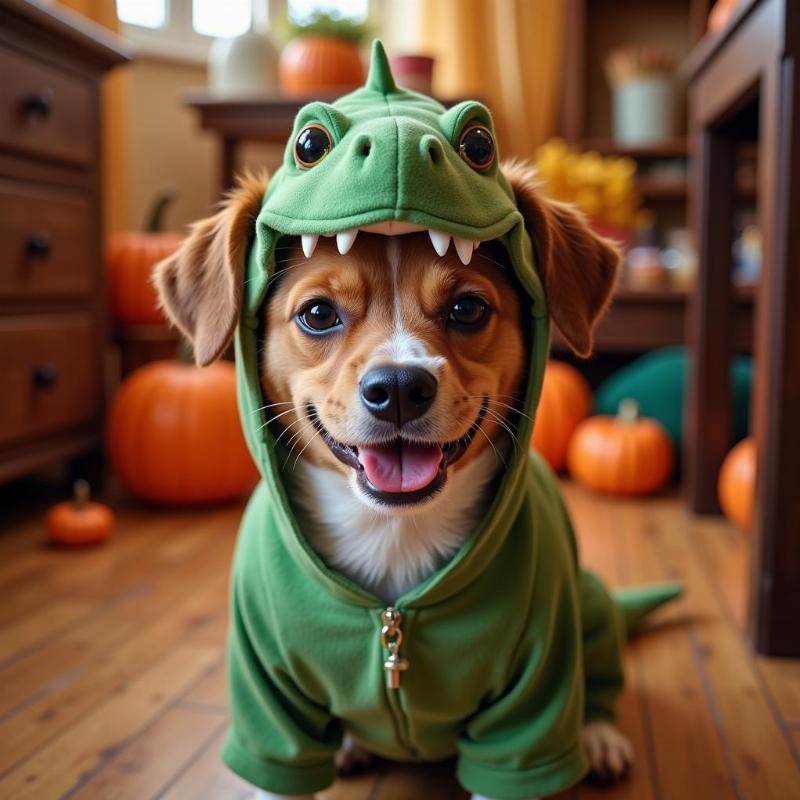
639, 601
380, 78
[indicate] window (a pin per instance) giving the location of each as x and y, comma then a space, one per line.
213, 18
184, 29
302, 10
147, 13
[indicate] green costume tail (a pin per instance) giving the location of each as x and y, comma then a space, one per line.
638, 601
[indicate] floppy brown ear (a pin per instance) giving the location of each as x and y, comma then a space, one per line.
200, 285
579, 267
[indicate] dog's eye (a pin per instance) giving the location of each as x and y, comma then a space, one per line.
312, 145
476, 147
468, 311
319, 317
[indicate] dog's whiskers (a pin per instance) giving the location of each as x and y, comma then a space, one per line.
295, 440
288, 428
277, 416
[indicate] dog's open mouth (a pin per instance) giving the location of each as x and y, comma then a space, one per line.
401, 471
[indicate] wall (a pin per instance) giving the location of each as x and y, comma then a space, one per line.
166, 146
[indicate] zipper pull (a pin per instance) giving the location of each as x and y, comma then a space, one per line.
391, 639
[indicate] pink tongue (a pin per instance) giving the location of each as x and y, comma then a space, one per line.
400, 467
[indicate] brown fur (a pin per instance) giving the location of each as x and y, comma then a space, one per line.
325, 371
579, 267
200, 286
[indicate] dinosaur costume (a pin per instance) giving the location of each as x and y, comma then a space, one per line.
501, 655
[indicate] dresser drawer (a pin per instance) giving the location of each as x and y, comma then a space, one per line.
45, 111
45, 241
48, 373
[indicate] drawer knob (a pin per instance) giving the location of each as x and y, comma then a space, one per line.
45, 376
38, 244
39, 104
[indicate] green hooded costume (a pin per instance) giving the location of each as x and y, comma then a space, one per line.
507, 649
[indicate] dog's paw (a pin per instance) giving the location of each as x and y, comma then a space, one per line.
610, 753
351, 759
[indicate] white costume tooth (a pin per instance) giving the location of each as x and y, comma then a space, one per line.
439, 240
308, 242
345, 239
464, 249
475, 245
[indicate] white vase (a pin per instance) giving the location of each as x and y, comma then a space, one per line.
645, 110
243, 65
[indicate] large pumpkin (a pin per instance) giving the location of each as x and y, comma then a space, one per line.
174, 436
736, 485
314, 63
622, 455
564, 402
130, 257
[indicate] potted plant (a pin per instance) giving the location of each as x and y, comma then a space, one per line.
322, 55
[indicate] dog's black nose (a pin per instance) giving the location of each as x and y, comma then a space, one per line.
398, 394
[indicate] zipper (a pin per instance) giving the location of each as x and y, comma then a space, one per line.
391, 639
394, 665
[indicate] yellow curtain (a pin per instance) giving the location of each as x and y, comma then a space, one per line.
505, 52
115, 161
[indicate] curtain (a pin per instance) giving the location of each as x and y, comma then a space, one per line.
506, 53
114, 123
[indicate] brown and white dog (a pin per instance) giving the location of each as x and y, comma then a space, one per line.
427, 349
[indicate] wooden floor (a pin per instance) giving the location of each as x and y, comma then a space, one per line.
112, 685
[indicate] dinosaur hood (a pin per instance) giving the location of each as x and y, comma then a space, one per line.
393, 166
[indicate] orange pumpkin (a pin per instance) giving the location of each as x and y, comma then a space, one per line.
314, 63
130, 257
79, 521
736, 484
623, 455
174, 437
565, 401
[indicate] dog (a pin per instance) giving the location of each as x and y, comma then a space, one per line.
392, 368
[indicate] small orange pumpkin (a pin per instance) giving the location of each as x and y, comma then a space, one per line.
174, 437
130, 257
622, 455
79, 521
314, 63
736, 484
564, 402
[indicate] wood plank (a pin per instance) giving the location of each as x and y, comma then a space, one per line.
686, 743
148, 762
141, 602
66, 760
782, 676
601, 551
57, 706
207, 778
16, 639
758, 751
211, 690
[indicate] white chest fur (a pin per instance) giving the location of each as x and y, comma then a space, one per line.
390, 553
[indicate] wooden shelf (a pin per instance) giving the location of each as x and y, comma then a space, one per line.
640, 320
669, 148
658, 188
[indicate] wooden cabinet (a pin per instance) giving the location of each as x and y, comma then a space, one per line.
52, 309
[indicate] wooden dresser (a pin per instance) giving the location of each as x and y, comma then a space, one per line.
52, 310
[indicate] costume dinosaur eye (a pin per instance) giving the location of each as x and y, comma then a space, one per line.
319, 316
476, 146
469, 312
312, 145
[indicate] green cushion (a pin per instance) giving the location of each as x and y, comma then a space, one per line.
657, 382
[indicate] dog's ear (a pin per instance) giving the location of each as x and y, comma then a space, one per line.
578, 267
200, 286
